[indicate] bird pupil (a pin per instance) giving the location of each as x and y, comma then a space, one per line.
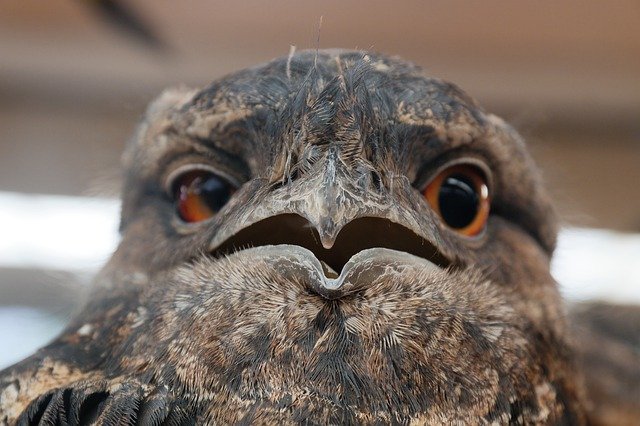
458, 201
214, 192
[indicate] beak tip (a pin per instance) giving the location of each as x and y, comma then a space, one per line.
327, 243
328, 232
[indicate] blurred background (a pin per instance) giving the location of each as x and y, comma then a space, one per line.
75, 77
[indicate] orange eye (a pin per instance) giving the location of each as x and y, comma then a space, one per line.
200, 194
460, 195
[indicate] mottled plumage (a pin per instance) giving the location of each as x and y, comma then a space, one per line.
232, 319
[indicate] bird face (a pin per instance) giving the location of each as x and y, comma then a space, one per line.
317, 152
334, 237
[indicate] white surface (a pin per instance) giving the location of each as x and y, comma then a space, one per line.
78, 234
23, 330
598, 264
56, 232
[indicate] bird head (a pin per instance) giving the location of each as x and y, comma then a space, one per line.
333, 235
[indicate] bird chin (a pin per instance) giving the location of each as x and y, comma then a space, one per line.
266, 324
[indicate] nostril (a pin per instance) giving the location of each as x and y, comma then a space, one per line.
359, 234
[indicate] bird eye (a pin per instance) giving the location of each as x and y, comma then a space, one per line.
200, 194
460, 195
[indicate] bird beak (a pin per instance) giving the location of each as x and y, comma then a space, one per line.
333, 215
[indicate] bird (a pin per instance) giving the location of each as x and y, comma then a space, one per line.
331, 237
